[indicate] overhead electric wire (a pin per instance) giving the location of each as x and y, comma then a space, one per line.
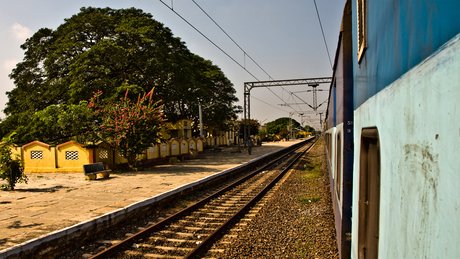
322, 31
231, 39
208, 39
303, 100
244, 52
269, 104
202, 34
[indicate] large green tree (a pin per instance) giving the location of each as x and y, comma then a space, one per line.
276, 126
108, 50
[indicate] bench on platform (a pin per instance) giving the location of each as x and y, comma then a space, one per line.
92, 170
217, 148
176, 158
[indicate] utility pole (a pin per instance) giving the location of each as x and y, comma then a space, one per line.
201, 120
315, 99
321, 122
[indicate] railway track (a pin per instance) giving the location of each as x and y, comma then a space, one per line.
195, 230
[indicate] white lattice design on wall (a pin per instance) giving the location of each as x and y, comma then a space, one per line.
71, 155
163, 148
183, 145
191, 145
103, 154
35, 154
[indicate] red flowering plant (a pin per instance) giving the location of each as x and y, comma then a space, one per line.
129, 127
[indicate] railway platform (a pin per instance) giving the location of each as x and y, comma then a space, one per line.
54, 201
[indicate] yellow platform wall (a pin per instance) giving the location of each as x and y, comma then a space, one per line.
39, 157
153, 152
71, 156
192, 143
199, 144
184, 148
175, 147
103, 153
165, 149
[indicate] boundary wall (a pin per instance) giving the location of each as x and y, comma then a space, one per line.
39, 157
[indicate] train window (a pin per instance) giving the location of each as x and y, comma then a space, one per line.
369, 194
362, 27
338, 178
329, 144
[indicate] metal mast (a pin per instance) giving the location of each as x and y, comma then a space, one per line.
313, 82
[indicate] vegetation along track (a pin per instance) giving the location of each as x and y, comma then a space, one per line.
195, 230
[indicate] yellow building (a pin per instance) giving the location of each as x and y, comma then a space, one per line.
180, 129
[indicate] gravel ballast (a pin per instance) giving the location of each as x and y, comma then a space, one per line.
298, 222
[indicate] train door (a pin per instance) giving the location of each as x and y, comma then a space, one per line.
369, 195
338, 176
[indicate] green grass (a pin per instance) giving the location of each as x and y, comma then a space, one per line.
312, 170
309, 199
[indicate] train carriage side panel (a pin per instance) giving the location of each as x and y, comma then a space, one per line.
341, 102
347, 132
406, 128
398, 35
418, 123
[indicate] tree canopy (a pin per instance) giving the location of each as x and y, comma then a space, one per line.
253, 125
275, 127
109, 50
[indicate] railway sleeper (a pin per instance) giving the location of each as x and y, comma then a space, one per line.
224, 207
196, 232
167, 232
183, 221
238, 198
215, 214
172, 240
216, 210
166, 248
161, 256
192, 228
205, 219
232, 202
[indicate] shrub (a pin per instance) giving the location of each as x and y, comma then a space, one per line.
11, 168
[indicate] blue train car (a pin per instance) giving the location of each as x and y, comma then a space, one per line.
406, 194
339, 134
405, 86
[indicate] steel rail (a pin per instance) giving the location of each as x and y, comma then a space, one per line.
167, 221
216, 234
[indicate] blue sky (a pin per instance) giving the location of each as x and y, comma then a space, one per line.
283, 37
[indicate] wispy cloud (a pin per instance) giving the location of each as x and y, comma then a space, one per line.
20, 32
8, 65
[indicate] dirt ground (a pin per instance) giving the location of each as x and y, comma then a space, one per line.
53, 201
